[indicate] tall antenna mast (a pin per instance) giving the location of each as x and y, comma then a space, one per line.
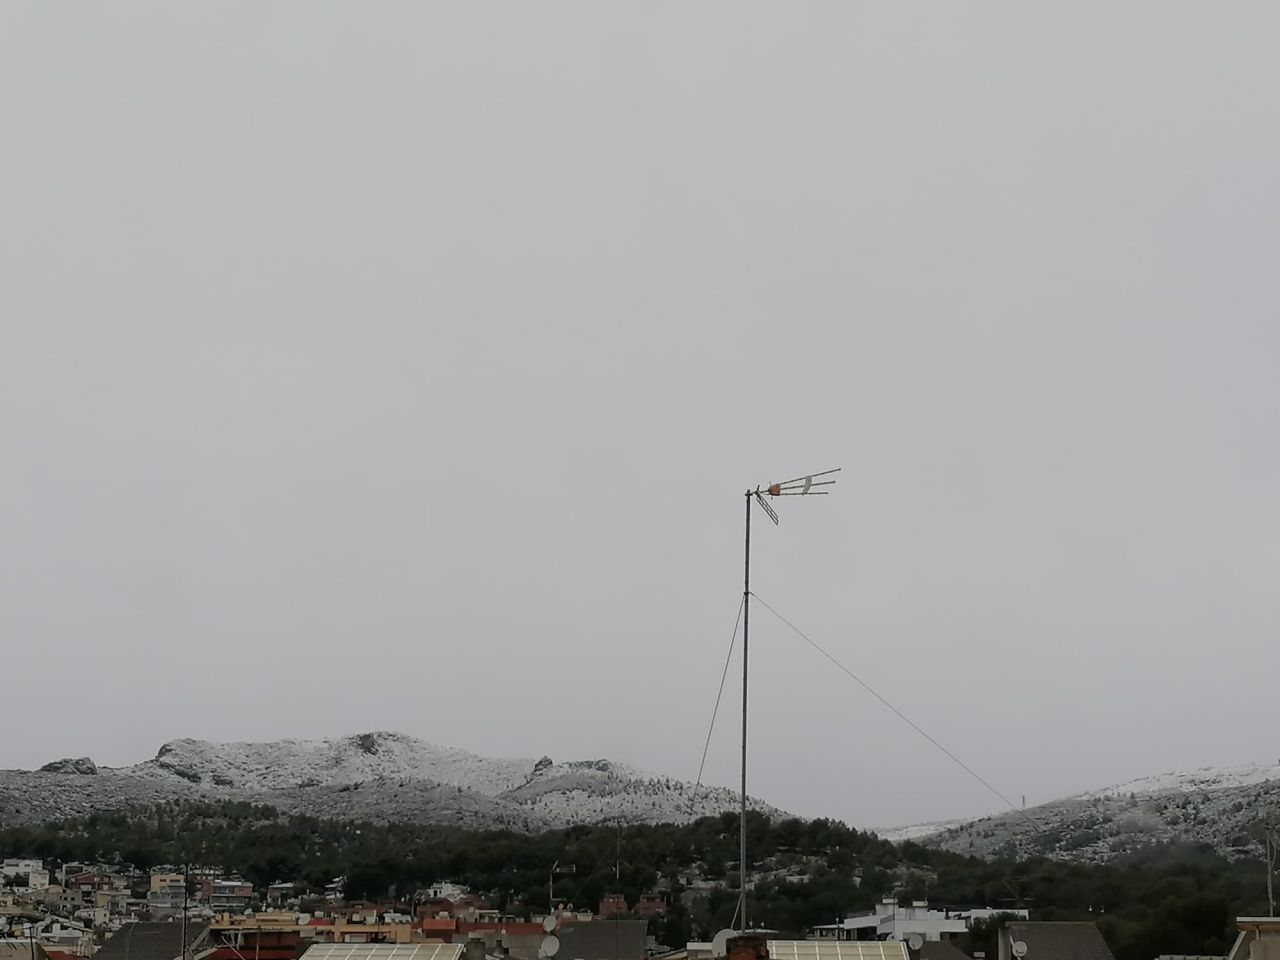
799, 487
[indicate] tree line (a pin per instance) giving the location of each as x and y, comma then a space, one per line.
1164, 899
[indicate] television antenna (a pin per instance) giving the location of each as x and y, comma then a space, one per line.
556, 868
805, 486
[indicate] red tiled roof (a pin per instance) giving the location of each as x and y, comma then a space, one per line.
319, 922
445, 923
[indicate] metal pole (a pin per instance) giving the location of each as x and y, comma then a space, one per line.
1270, 839
742, 823
617, 883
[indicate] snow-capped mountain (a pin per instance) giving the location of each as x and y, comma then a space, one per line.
375, 776
1219, 806
330, 762
1205, 778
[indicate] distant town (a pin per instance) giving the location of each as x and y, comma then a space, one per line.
62, 910
380, 841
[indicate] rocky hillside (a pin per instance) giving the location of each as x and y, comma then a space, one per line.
375, 776
1218, 806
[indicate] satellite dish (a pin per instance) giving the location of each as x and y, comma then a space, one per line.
720, 942
1019, 948
550, 946
549, 923
915, 941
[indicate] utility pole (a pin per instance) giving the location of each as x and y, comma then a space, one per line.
186, 879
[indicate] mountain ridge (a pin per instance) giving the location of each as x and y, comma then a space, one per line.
389, 776
1218, 806
378, 775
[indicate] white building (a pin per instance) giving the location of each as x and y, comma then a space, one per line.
892, 922
66, 936
37, 880
445, 890
19, 868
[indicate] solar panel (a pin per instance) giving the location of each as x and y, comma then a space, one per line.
384, 951
837, 950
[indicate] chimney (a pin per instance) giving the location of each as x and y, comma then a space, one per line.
474, 950
748, 946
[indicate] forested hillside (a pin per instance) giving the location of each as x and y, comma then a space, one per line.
1164, 899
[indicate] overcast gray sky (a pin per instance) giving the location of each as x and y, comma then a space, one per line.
402, 366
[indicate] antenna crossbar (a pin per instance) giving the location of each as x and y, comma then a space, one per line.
811, 476
767, 507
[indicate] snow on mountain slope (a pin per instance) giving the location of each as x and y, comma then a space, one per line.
1219, 806
28, 796
1205, 778
601, 790
301, 763
916, 831
379, 776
